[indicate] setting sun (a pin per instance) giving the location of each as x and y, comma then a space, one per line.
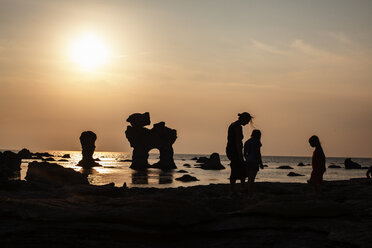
89, 52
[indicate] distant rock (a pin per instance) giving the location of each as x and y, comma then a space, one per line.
301, 164
187, 178
213, 163
182, 171
54, 174
42, 154
10, 163
202, 160
63, 160
265, 165
285, 167
49, 159
87, 141
125, 160
294, 174
97, 159
66, 156
194, 158
333, 166
25, 154
187, 165
351, 164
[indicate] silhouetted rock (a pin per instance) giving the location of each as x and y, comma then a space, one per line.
143, 140
66, 156
25, 154
285, 167
126, 160
49, 159
42, 154
351, 164
301, 164
50, 173
294, 174
63, 160
97, 159
213, 163
187, 178
87, 140
265, 165
369, 172
333, 166
10, 163
182, 171
187, 165
194, 158
202, 160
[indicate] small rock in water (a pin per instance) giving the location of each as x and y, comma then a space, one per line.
202, 160
125, 160
333, 166
187, 178
63, 160
285, 167
187, 165
49, 159
194, 158
265, 165
351, 164
182, 171
66, 156
294, 174
301, 164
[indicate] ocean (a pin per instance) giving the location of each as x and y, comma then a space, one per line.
115, 170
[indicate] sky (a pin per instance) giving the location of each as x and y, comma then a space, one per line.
299, 67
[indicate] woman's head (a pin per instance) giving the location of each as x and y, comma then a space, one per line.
256, 134
314, 141
245, 118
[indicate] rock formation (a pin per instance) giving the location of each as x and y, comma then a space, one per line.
351, 164
10, 165
285, 167
213, 163
187, 178
143, 140
87, 140
44, 172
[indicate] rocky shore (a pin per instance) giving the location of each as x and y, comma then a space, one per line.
279, 215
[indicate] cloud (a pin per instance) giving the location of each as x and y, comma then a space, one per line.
267, 48
341, 38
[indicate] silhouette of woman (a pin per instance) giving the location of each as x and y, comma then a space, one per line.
318, 164
234, 149
253, 158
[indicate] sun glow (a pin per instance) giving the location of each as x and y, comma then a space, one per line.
89, 52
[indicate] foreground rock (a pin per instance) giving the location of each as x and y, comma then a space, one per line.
187, 178
10, 165
351, 164
279, 215
54, 174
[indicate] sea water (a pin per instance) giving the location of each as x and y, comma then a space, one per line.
116, 170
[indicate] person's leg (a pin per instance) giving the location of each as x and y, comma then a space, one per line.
232, 184
251, 178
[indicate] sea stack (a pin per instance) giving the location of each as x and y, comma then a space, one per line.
87, 140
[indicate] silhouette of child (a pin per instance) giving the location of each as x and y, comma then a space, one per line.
234, 149
318, 164
253, 158
369, 172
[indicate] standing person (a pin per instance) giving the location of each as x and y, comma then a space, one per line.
253, 158
318, 164
234, 149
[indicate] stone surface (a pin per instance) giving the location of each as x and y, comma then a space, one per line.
143, 140
87, 140
301, 164
25, 154
66, 156
285, 167
54, 174
349, 164
213, 163
187, 178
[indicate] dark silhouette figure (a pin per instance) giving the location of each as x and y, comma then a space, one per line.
318, 164
87, 140
234, 149
253, 158
143, 140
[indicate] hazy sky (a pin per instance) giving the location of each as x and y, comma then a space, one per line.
300, 67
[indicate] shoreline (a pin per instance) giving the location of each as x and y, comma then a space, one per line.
279, 214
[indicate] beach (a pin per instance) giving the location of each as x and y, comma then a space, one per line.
278, 215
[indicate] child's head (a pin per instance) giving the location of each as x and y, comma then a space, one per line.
256, 134
314, 141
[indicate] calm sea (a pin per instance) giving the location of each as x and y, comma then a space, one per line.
115, 170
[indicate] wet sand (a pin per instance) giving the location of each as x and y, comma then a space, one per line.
279, 215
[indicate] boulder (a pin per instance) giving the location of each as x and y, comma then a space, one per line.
10, 164
285, 167
49, 159
25, 154
194, 158
187, 165
54, 174
42, 154
187, 178
213, 163
333, 166
66, 156
182, 171
87, 140
301, 164
202, 160
294, 174
351, 164
63, 160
